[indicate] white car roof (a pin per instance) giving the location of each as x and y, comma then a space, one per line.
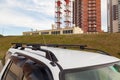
69, 59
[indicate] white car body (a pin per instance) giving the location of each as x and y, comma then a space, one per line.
67, 59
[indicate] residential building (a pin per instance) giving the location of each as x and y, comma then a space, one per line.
87, 15
113, 15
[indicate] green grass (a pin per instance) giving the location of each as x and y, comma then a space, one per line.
107, 42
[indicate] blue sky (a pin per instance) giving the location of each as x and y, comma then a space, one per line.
17, 16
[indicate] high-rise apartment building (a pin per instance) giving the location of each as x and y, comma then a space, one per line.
87, 15
113, 15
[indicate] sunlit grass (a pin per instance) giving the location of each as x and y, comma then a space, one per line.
107, 42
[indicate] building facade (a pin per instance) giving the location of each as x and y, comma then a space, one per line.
113, 15
87, 15
61, 31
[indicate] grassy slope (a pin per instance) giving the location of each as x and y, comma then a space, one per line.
107, 42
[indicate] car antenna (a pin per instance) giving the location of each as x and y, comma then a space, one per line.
48, 55
44, 41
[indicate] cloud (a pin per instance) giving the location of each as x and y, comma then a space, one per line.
36, 14
16, 19
41, 6
10, 16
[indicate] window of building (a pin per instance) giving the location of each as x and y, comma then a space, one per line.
55, 32
94, 22
89, 25
115, 12
35, 33
94, 25
67, 31
92, 29
119, 1
44, 32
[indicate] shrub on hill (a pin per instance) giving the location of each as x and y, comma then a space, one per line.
1, 35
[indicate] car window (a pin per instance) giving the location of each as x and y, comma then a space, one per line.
7, 56
22, 68
117, 67
14, 73
35, 71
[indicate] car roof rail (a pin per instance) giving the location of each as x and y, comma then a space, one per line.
98, 50
36, 46
49, 55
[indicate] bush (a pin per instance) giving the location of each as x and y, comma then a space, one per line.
1, 35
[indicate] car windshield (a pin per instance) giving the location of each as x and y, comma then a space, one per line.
104, 73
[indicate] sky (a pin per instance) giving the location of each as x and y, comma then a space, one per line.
17, 16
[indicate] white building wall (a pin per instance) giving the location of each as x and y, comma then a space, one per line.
72, 30
114, 2
115, 22
118, 15
77, 30
115, 26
